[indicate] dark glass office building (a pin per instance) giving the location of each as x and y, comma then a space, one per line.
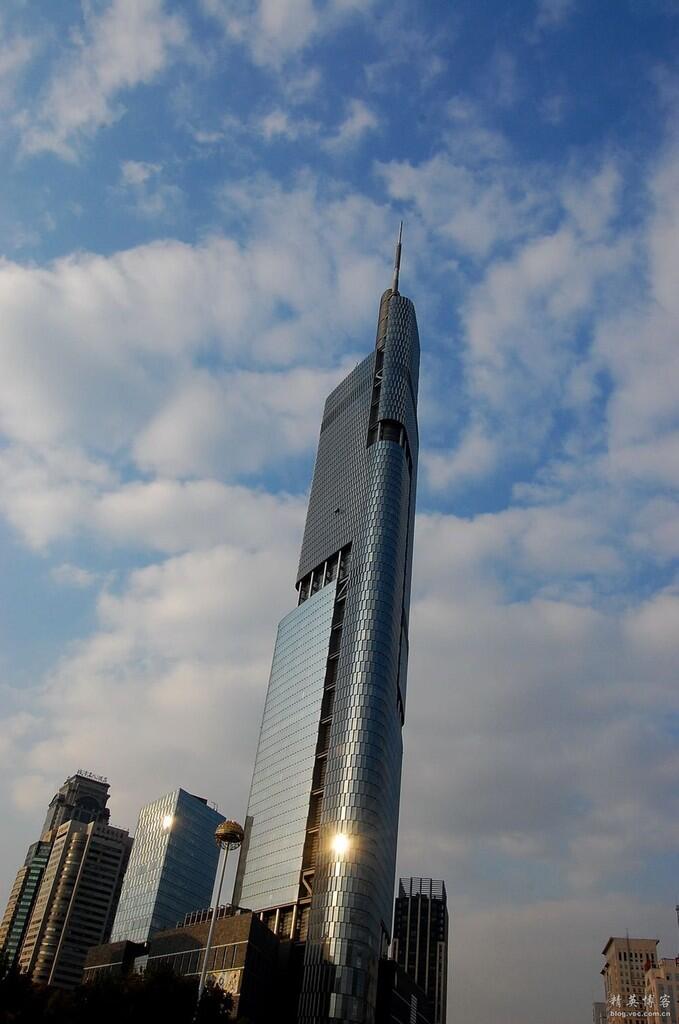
420, 944
319, 856
172, 865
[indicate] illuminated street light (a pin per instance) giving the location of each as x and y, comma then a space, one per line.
228, 836
168, 821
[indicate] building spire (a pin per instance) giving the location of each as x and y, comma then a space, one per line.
397, 261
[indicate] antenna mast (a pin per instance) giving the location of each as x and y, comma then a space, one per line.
397, 261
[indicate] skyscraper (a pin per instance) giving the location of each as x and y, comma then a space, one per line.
320, 848
172, 866
421, 938
83, 797
76, 901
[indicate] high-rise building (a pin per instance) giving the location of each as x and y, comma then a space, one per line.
21, 899
83, 797
420, 943
172, 866
624, 976
75, 902
599, 1013
320, 848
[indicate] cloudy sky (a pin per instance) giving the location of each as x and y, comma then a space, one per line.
197, 218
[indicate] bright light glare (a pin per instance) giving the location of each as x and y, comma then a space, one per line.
167, 822
340, 844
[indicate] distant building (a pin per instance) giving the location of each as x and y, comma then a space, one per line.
399, 999
244, 960
172, 867
599, 1013
83, 797
21, 899
420, 942
662, 990
624, 977
75, 902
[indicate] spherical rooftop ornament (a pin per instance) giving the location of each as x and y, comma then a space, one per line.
229, 833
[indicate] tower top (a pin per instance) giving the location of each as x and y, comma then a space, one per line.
397, 261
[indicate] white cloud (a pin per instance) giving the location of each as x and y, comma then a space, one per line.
143, 315
551, 14
129, 43
16, 53
137, 172
359, 121
475, 208
141, 183
280, 124
173, 677
474, 458
276, 30
236, 424
73, 576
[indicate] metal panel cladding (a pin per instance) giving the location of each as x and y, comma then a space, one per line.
363, 493
279, 797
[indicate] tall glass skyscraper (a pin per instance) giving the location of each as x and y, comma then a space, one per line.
172, 865
320, 849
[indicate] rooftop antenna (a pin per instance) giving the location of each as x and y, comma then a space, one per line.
397, 261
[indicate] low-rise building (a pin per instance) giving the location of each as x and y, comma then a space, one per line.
243, 960
662, 990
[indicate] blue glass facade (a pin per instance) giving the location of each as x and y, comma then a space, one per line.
282, 781
172, 866
351, 694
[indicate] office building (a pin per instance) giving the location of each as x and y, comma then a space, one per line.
420, 943
21, 899
661, 990
624, 976
399, 999
319, 854
243, 959
599, 1013
83, 797
75, 902
172, 867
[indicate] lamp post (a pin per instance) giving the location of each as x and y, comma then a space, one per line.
228, 836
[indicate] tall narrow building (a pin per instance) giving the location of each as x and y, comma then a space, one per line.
76, 901
421, 938
172, 866
320, 850
82, 797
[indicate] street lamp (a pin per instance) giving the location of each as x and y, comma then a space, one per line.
228, 836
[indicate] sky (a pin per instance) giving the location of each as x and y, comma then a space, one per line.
198, 209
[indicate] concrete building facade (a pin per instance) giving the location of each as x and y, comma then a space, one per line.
75, 902
82, 797
624, 977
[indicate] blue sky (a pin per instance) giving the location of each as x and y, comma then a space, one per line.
198, 213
